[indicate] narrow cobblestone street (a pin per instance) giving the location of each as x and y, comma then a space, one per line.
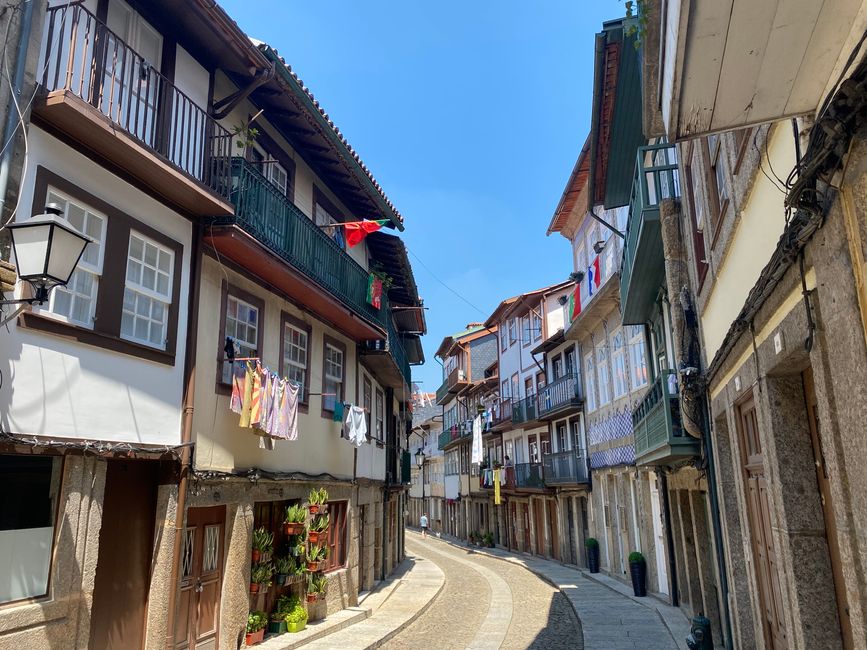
488, 603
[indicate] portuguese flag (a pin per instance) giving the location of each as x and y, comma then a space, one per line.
374, 291
356, 231
575, 303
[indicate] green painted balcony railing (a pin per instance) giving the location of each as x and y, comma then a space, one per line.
656, 178
656, 425
524, 410
398, 352
452, 433
405, 465
276, 222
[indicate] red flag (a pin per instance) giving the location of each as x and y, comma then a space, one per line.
575, 303
597, 275
357, 231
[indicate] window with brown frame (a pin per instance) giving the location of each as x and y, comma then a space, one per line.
125, 293
336, 536
295, 345
241, 317
696, 222
333, 374
742, 143
367, 403
717, 194
536, 320
380, 418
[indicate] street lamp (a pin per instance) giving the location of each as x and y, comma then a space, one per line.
47, 249
419, 462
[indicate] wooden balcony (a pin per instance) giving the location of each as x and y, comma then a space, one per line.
524, 411
643, 269
270, 237
529, 476
388, 359
656, 427
452, 385
101, 94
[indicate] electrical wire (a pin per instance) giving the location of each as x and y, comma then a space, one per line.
436, 277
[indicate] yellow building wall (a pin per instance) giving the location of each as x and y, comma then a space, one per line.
761, 223
224, 446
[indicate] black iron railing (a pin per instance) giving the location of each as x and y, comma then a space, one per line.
529, 475
562, 392
524, 410
565, 467
84, 57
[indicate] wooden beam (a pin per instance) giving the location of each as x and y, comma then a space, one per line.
285, 112
300, 130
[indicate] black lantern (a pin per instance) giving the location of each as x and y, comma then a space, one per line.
47, 249
419, 458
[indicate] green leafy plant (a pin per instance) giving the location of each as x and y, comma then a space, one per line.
295, 514
591, 542
320, 523
636, 9
635, 556
318, 497
245, 135
256, 620
297, 615
286, 604
488, 539
317, 553
316, 584
298, 548
261, 573
284, 565
263, 540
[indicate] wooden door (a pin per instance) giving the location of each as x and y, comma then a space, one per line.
828, 511
539, 518
552, 529
362, 551
764, 555
201, 579
123, 568
526, 509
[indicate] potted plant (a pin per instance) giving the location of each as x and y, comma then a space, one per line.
260, 575
316, 588
317, 500
315, 556
297, 549
293, 524
296, 619
283, 566
488, 539
256, 622
263, 543
592, 547
638, 571
285, 604
318, 529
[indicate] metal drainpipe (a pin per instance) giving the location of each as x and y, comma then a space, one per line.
717, 528
186, 427
11, 113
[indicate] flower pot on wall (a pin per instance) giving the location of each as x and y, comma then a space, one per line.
293, 528
312, 598
281, 579
254, 587
638, 572
314, 509
257, 555
313, 566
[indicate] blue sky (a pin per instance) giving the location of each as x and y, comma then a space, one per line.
470, 115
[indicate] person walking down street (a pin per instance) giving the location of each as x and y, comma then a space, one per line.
423, 524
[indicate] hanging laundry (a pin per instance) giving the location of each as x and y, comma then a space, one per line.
247, 399
239, 374
356, 425
338, 411
477, 440
256, 404
498, 477
287, 419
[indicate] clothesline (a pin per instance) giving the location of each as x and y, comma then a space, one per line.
238, 359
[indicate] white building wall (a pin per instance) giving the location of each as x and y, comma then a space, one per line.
55, 386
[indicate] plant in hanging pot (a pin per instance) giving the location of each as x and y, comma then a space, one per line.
317, 500
638, 572
592, 546
256, 622
318, 529
260, 576
315, 557
263, 544
283, 567
316, 588
296, 618
293, 523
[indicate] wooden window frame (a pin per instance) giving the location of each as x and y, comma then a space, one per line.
333, 342
529, 339
227, 289
279, 155
743, 137
337, 536
367, 402
537, 318
698, 244
379, 403
718, 205
105, 333
288, 319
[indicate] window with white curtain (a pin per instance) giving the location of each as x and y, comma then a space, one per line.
618, 364
602, 367
637, 356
